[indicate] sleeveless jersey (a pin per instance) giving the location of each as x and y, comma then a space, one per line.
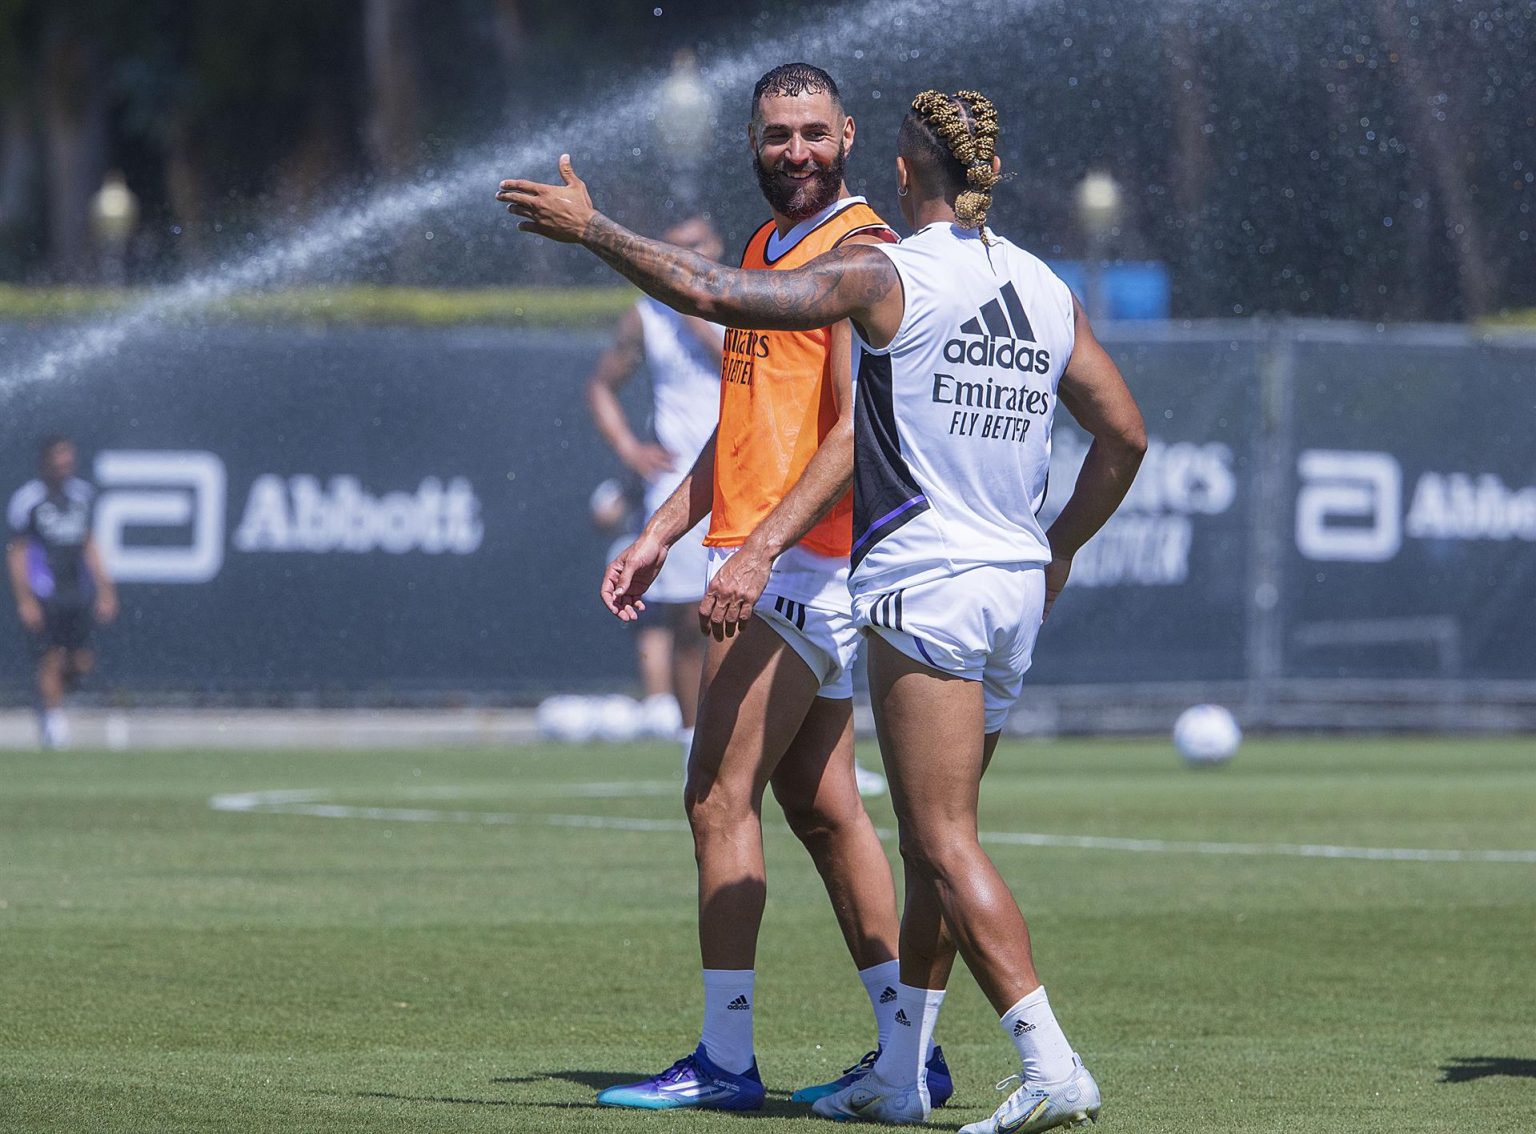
777, 399
952, 438
685, 382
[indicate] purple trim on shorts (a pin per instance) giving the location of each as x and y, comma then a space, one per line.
875, 527
918, 642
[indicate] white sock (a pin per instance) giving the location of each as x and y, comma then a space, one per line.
880, 982
1043, 1048
727, 1035
904, 1058
55, 726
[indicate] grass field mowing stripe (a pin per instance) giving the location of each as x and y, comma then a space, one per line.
310, 803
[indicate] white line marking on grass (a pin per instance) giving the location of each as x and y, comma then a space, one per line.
1278, 850
312, 803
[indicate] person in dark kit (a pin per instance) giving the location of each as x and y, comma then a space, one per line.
62, 590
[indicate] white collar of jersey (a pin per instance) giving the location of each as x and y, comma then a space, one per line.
955, 230
778, 246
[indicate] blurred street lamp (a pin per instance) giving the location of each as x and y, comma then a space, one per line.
686, 116
114, 216
1099, 205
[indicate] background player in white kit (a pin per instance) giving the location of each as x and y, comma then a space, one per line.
60, 584
681, 355
969, 342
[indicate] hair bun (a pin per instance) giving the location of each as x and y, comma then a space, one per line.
980, 174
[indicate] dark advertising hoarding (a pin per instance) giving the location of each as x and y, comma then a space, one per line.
373, 513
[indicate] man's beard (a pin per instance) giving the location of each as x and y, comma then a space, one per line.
800, 199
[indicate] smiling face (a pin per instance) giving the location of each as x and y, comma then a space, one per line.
799, 145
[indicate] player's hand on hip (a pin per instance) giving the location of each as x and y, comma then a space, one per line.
30, 611
560, 212
1056, 572
650, 460
629, 576
732, 594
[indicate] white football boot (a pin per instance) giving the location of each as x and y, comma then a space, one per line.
872, 1099
1073, 1101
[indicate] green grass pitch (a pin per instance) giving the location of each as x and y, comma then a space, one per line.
474, 940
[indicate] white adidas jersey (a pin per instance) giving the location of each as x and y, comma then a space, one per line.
685, 380
953, 426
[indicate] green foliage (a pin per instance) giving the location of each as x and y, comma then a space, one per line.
167, 966
360, 305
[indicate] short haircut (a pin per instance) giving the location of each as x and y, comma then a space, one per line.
51, 441
792, 80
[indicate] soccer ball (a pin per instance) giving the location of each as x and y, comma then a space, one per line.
566, 718
1206, 734
617, 717
660, 716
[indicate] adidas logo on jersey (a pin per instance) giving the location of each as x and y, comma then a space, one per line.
998, 332
740, 1004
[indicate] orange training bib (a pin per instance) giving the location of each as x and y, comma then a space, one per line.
777, 401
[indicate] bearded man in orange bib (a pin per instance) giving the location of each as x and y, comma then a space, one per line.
776, 701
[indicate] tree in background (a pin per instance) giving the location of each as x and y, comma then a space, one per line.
1328, 158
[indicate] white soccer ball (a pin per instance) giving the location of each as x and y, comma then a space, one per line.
660, 716
1206, 734
618, 717
566, 718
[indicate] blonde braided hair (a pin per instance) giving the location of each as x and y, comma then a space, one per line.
967, 123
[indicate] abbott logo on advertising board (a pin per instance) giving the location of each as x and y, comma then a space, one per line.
1349, 508
179, 496
161, 516
1352, 507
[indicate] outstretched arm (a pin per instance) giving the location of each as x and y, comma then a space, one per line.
853, 282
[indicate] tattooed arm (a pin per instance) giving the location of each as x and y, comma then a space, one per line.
854, 282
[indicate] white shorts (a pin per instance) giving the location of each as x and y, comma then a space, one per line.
806, 602
980, 624
683, 576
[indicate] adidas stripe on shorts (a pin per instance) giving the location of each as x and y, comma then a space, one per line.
806, 602
980, 624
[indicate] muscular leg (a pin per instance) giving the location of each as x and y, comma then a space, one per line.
931, 731
737, 746
814, 785
927, 948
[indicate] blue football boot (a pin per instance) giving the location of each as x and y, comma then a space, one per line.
940, 1085
693, 1081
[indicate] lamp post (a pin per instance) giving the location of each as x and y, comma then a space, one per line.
114, 216
686, 113
1099, 205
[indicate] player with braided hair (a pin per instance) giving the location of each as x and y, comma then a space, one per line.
959, 133
967, 343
